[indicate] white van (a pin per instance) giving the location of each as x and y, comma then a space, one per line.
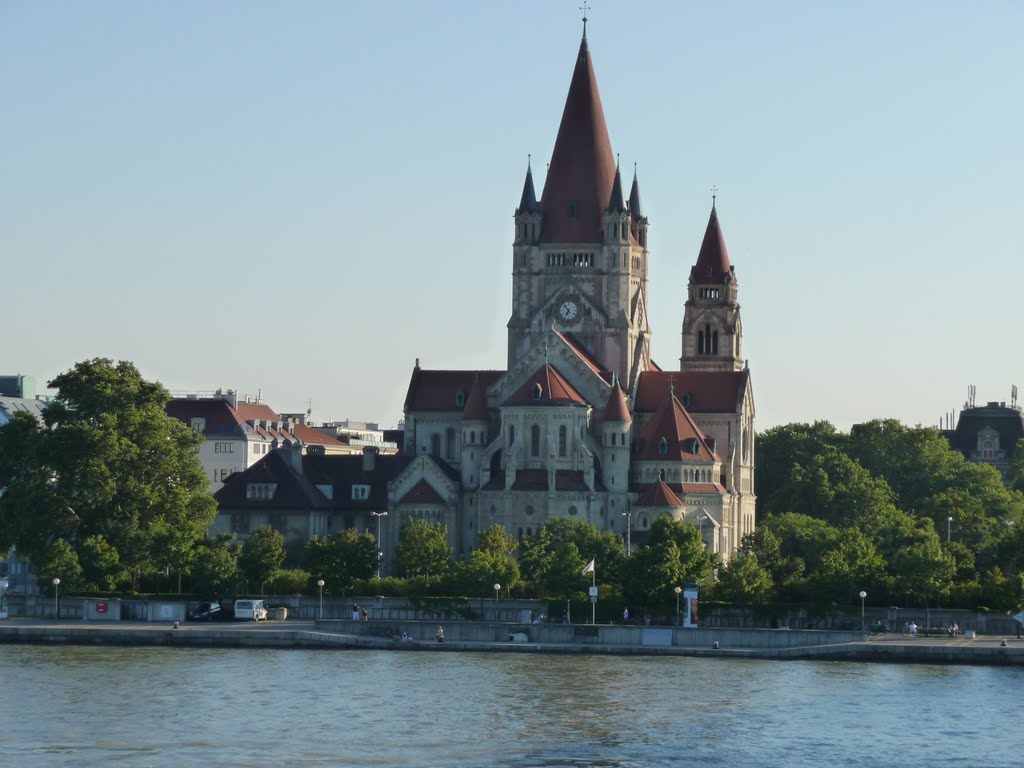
250, 610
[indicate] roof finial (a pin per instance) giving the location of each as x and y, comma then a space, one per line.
584, 8
714, 195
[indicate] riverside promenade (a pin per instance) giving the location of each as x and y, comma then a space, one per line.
779, 644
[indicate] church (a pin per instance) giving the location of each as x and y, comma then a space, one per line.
583, 423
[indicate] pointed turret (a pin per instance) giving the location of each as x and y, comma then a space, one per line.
579, 181
713, 261
635, 207
617, 203
528, 202
616, 409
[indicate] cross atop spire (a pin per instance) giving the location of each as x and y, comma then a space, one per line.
714, 196
584, 8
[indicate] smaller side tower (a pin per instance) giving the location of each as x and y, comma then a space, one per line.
712, 329
615, 441
474, 435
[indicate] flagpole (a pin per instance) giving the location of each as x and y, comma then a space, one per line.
593, 601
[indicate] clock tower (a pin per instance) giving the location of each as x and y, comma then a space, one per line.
579, 260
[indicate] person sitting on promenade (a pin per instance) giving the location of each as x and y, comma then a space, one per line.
440, 635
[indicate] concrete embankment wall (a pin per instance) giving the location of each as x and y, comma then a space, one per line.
612, 635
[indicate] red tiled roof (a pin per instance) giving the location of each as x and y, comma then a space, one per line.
579, 180
702, 488
703, 391
437, 390
312, 436
219, 416
257, 412
546, 387
659, 494
713, 255
584, 354
677, 428
421, 493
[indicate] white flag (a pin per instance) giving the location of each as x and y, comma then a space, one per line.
588, 568
1019, 617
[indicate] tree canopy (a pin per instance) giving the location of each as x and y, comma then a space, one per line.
422, 549
108, 473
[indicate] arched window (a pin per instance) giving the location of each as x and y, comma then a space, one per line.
562, 439
535, 440
663, 447
700, 342
460, 398
511, 434
449, 444
707, 338
714, 343
435, 445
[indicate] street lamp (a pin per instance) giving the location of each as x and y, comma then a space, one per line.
56, 609
321, 585
497, 591
863, 594
949, 527
380, 554
629, 519
678, 591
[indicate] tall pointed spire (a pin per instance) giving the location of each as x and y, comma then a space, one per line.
528, 202
713, 261
617, 203
579, 181
636, 209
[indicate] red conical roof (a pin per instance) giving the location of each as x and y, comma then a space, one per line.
546, 387
659, 494
684, 440
616, 408
713, 261
476, 404
579, 181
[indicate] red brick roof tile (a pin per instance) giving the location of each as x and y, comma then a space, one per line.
546, 387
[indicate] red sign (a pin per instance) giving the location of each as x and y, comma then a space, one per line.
101, 607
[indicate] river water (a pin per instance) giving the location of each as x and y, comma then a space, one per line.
88, 706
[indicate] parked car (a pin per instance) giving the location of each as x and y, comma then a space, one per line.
209, 611
251, 610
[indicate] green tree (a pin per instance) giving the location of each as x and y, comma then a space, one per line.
341, 558
744, 581
422, 549
215, 569
673, 556
262, 556
101, 567
108, 462
482, 569
59, 561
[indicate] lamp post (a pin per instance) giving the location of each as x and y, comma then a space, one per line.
321, 585
949, 528
678, 591
497, 591
629, 527
56, 608
380, 553
700, 522
863, 594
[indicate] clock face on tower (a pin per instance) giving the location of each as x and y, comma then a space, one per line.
568, 310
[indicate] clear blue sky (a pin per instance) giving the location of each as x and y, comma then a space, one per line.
305, 197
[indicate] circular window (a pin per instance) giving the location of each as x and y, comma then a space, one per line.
529, 510
573, 510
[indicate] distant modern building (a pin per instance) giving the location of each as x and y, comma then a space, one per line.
988, 434
239, 431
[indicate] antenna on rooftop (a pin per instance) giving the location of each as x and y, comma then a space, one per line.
1013, 396
971, 390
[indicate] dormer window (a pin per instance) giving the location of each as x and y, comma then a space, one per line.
460, 399
709, 271
260, 491
573, 209
360, 492
198, 424
663, 447
695, 447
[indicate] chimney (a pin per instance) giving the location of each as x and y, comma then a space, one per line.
369, 458
295, 454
